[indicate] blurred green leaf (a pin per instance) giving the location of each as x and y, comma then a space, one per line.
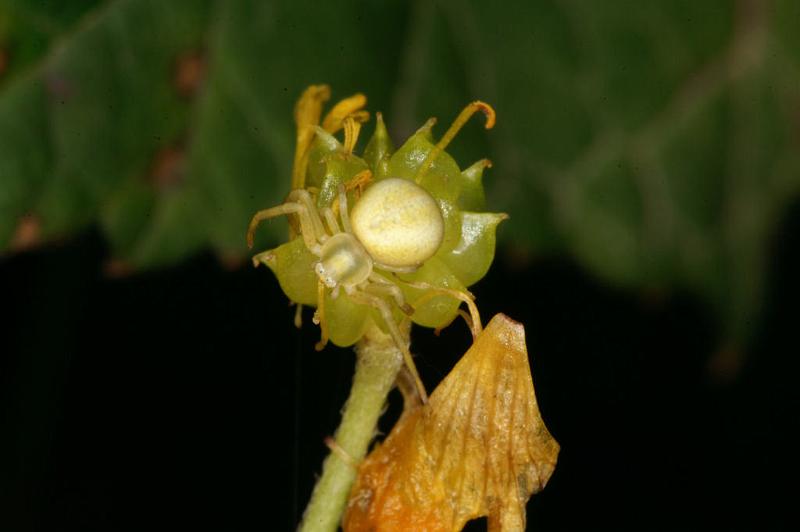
656, 142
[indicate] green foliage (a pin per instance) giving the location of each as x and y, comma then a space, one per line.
655, 142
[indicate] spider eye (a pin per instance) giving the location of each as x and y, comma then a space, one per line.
398, 222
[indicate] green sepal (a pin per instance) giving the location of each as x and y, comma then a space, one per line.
472, 197
438, 310
293, 265
347, 320
339, 169
379, 149
324, 146
471, 258
426, 130
452, 227
443, 179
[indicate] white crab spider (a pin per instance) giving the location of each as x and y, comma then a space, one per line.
395, 226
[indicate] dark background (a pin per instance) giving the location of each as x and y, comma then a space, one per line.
185, 398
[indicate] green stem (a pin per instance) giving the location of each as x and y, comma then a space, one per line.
377, 364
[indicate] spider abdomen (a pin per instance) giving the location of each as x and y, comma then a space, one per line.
398, 222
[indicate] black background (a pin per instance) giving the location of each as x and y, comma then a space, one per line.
186, 398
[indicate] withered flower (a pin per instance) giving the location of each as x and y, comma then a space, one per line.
478, 448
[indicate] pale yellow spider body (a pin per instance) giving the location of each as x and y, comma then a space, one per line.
399, 223
344, 262
396, 226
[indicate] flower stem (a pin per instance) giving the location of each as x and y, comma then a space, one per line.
377, 364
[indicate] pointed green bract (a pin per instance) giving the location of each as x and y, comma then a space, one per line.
293, 265
472, 197
443, 179
339, 169
324, 146
471, 258
379, 149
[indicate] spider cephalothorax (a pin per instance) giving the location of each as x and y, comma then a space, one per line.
386, 238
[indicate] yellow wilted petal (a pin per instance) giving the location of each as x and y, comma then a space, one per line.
351, 105
307, 112
478, 448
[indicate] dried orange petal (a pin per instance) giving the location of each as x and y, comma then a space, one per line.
478, 448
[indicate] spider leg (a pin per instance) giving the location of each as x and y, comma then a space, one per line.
357, 182
360, 296
462, 295
343, 214
304, 198
467, 318
397, 269
319, 317
386, 286
330, 218
308, 232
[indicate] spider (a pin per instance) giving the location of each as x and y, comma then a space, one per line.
394, 226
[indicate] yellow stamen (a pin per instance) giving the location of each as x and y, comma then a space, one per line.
358, 182
320, 315
458, 123
351, 131
307, 112
334, 120
362, 117
394, 332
